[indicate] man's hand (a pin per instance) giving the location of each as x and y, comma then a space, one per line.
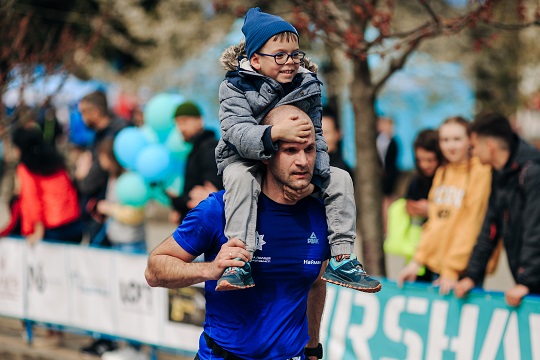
228, 254
199, 193
463, 287
297, 195
292, 129
515, 294
409, 273
417, 208
104, 207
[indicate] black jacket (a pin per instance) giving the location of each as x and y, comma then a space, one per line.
513, 214
200, 167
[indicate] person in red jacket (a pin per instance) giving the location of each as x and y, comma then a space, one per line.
48, 199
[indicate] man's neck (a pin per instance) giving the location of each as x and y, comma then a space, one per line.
275, 192
501, 159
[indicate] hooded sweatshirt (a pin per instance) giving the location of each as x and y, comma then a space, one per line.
458, 201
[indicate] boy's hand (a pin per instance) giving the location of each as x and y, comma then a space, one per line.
292, 129
297, 195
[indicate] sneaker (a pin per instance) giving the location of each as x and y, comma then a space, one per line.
236, 278
350, 273
125, 353
99, 347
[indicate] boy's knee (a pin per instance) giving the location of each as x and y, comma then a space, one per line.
340, 176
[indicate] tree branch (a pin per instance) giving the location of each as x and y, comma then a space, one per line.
430, 11
397, 63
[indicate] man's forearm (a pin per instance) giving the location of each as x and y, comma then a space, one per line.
171, 267
172, 273
315, 307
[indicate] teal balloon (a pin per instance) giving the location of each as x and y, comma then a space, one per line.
175, 185
127, 145
179, 148
158, 194
154, 163
150, 134
159, 112
131, 189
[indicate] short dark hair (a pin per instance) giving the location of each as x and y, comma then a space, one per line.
331, 113
428, 140
494, 125
98, 100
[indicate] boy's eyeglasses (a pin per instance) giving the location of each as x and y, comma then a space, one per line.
282, 57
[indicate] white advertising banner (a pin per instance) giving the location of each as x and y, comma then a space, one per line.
181, 326
137, 305
91, 276
12, 270
47, 282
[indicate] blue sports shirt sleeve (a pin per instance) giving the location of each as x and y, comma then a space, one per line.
200, 230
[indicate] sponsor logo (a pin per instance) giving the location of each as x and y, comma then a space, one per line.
312, 262
259, 241
313, 239
262, 259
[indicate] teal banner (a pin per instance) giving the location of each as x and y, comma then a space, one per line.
417, 323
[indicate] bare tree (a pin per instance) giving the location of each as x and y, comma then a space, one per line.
343, 24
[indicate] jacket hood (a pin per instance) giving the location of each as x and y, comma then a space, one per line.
229, 58
525, 152
522, 153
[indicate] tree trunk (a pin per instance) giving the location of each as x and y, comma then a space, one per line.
367, 173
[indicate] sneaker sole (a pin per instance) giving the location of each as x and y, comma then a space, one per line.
367, 290
227, 286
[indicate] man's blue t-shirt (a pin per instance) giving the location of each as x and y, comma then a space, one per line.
267, 321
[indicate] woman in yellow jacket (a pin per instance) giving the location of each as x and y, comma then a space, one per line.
457, 204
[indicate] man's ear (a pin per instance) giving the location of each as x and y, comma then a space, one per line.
255, 62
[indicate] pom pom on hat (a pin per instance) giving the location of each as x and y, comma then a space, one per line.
259, 27
187, 109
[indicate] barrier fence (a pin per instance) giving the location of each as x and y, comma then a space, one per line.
104, 291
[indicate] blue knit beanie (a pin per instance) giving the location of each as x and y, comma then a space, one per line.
259, 27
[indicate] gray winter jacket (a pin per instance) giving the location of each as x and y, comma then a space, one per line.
245, 98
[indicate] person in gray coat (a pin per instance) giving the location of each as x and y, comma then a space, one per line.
267, 71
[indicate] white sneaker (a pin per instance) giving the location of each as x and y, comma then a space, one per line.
125, 353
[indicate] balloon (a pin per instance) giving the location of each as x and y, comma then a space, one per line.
177, 146
132, 190
158, 194
154, 163
150, 134
159, 112
128, 144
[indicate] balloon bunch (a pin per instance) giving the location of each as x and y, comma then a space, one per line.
154, 155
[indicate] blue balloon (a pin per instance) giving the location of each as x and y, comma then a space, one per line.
131, 189
154, 163
177, 146
128, 143
159, 112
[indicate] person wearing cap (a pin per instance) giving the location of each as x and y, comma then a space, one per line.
201, 176
266, 71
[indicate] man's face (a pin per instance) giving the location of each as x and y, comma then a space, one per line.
330, 133
266, 65
482, 148
89, 113
189, 126
292, 165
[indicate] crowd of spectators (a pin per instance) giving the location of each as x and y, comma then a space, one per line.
473, 180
